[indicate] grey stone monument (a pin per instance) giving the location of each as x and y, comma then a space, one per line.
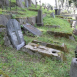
73, 70
15, 34
39, 20
57, 11
52, 15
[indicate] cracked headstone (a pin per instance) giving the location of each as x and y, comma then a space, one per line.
15, 34
32, 29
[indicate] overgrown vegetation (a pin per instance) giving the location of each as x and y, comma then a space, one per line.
19, 64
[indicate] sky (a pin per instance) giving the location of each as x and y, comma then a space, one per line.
52, 2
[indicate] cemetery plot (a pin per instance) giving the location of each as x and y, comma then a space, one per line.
32, 29
45, 51
59, 34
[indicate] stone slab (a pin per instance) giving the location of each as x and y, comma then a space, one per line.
63, 47
45, 51
32, 29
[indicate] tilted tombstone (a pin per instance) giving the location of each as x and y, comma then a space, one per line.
32, 29
15, 34
39, 19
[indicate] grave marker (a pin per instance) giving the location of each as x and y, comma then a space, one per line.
15, 34
39, 19
32, 29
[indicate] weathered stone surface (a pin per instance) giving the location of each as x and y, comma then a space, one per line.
75, 32
52, 15
27, 3
45, 51
22, 20
63, 47
2, 2
31, 20
20, 3
74, 24
2, 29
39, 19
32, 29
3, 20
7, 40
15, 34
73, 69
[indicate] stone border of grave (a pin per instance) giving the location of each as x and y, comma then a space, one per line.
43, 51
52, 26
63, 47
60, 34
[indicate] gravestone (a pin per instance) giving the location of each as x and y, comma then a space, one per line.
52, 15
3, 20
26, 3
75, 32
73, 70
74, 24
32, 29
15, 34
20, 3
57, 11
39, 20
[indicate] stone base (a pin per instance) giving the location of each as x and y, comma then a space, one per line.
39, 24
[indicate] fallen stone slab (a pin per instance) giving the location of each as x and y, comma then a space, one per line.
45, 51
32, 29
62, 47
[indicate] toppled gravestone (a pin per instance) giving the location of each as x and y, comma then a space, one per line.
39, 19
42, 49
15, 34
73, 69
3, 20
32, 29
